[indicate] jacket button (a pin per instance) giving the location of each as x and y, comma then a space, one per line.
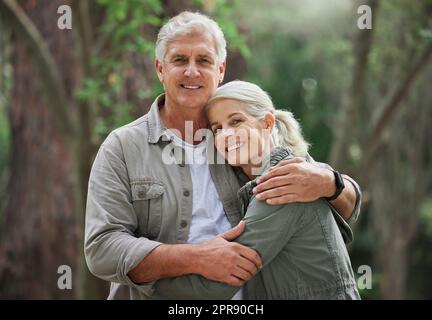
183, 223
141, 194
186, 193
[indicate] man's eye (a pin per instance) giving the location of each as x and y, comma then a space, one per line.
235, 121
179, 60
204, 61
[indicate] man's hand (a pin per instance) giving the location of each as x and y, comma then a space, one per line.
217, 259
295, 180
228, 262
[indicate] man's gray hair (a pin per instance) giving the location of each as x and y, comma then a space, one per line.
187, 23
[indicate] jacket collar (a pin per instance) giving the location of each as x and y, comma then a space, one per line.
276, 155
156, 128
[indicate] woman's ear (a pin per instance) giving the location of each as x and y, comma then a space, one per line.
269, 121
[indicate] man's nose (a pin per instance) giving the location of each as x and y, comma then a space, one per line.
191, 70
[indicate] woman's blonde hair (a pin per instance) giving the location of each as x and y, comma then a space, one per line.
286, 132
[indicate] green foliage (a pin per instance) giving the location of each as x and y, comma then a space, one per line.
125, 20
426, 34
6, 85
399, 39
224, 12
296, 83
4, 138
426, 217
4, 156
121, 37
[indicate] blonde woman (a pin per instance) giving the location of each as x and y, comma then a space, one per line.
301, 244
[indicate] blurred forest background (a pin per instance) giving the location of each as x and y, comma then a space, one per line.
363, 97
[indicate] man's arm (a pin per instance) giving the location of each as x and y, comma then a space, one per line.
115, 254
110, 246
218, 260
296, 180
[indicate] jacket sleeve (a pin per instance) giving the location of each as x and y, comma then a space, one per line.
356, 211
110, 247
268, 229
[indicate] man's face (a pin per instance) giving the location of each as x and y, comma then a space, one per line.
190, 71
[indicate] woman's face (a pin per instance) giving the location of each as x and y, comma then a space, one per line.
241, 138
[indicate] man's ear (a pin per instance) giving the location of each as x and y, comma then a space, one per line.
269, 121
158, 66
222, 68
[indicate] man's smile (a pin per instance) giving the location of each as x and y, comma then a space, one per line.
190, 87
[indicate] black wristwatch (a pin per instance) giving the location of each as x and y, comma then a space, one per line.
339, 186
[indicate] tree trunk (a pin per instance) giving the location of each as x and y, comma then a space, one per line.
399, 190
393, 263
40, 230
347, 117
37, 128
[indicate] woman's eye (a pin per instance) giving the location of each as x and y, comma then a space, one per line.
235, 121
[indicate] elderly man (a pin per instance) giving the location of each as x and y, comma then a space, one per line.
147, 219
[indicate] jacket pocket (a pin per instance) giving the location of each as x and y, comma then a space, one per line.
147, 196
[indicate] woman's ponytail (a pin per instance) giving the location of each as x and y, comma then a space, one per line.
288, 133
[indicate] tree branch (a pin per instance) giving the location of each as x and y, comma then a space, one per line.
45, 66
85, 33
375, 141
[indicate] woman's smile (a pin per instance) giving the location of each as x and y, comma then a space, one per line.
235, 146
